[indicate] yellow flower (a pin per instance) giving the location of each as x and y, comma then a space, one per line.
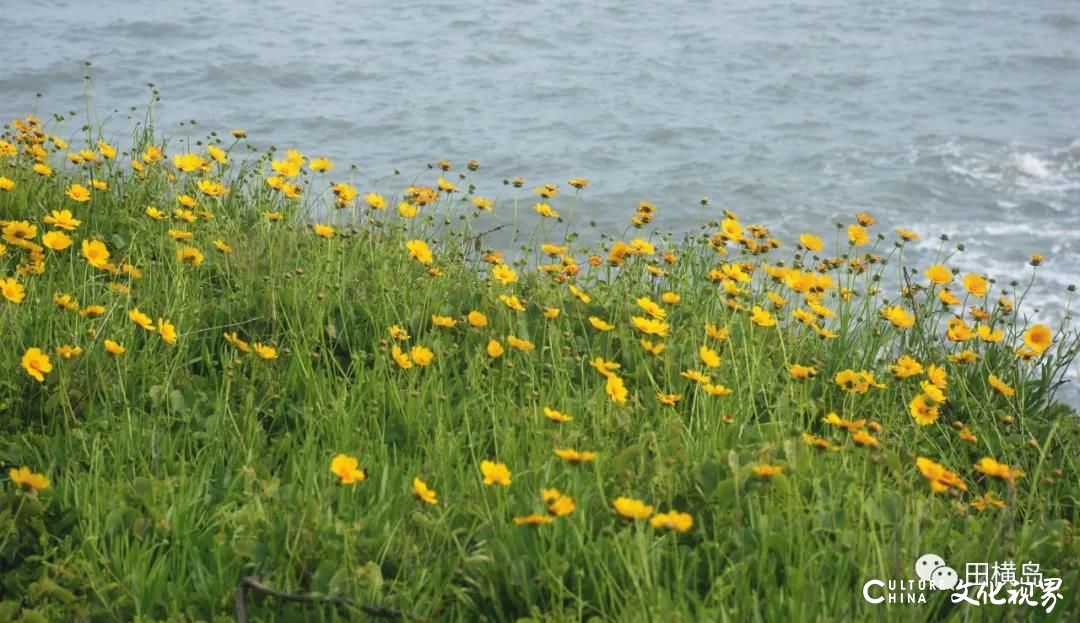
696, 376
78, 192
62, 219
397, 332
923, 409
512, 302
673, 520
6, 184
446, 186
68, 351
189, 256
323, 231
669, 400
976, 285
545, 211
905, 367
811, 242
141, 319
189, 162
761, 317
556, 416
36, 363
709, 357
651, 326
114, 348
1000, 386
375, 201
532, 520
599, 324
958, 330
235, 340
642, 246
981, 502
520, 344
1038, 338
406, 209
652, 308
817, 442
482, 203
992, 468
476, 319
23, 477
167, 331
575, 456
495, 473
344, 194
56, 240
906, 234
579, 294
42, 169
898, 316
222, 247
987, 334
670, 298
155, 213
801, 372
551, 313
857, 382
947, 297
95, 252
717, 333
716, 390
503, 274
864, 438
347, 469
421, 356
107, 150
547, 191
858, 236
939, 275
401, 358
616, 389
180, 234
446, 322
495, 349
654, 349
12, 290
424, 493
92, 311
940, 478
558, 503
264, 350
321, 165
65, 301
210, 188
419, 251
286, 168
217, 153
632, 508
766, 471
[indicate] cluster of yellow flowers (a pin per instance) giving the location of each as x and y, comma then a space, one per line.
787, 300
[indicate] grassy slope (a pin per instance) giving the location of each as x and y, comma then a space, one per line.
176, 470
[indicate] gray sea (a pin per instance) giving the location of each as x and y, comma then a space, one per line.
959, 117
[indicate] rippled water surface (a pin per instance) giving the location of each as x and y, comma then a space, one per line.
958, 117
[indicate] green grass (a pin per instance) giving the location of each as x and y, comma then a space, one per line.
177, 470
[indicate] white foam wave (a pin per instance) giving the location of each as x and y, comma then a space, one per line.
1031, 166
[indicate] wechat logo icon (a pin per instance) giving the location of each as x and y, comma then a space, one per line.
931, 568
